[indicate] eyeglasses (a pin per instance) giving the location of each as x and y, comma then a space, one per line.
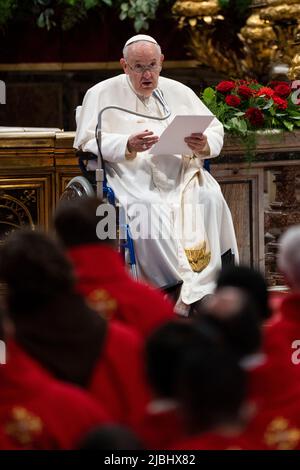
138, 68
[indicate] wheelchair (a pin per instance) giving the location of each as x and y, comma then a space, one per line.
85, 186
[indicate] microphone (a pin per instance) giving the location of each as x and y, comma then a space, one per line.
100, 171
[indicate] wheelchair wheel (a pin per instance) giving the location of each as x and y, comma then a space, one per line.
77, 187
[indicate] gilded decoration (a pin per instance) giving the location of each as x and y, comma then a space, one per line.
280, 435
198, 257
249, 43
16, 207
294, 71
23, 426
104, 304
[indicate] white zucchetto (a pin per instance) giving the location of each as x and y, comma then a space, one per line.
140, 37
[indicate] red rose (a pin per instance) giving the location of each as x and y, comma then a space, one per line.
225, 87
282, 90
281, 103
265, 90
254, 116
245, 91
233, 100
275, 83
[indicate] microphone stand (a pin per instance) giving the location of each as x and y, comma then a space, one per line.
100, 171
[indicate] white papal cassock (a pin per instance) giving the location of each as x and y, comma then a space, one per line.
172, 187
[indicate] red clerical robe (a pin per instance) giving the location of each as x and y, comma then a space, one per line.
161, 425
275, 389
284, 333
104, 281
39, 412
118, 381
275, 385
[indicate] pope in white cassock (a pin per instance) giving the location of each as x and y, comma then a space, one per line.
180, 221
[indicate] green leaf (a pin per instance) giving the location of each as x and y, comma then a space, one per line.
288, 125
71, 2
294, 114
90, 4
139, 24
41, 21
268, 105
272, 111
123, 15
224, 3
239, 125
209, 95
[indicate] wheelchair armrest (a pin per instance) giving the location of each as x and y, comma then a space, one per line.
85, 155
83, 158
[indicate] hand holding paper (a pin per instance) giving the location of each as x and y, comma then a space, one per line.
141, 141
196, 141
172, 140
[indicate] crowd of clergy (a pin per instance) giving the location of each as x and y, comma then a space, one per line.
93, 359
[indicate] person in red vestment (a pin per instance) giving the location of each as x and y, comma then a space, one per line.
252, 282
101, 275
55, 326
39, 412
189, 366
273, 386
163, 421
285, 333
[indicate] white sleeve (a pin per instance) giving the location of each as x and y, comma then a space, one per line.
113, 146
215, 136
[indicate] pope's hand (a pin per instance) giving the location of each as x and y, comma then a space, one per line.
196, 141
142, 141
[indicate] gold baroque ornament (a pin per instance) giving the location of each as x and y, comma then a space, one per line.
203, 20
266, 38
198, 257
23, 426
196, 8
280, 12
294, 72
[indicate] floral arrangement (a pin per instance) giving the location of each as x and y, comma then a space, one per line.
246, 105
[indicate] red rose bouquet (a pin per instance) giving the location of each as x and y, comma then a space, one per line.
244, 106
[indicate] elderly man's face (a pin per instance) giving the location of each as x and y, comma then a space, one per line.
143, 66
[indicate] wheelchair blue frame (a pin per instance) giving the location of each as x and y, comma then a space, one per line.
126, 244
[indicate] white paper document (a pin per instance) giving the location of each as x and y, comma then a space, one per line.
172, 138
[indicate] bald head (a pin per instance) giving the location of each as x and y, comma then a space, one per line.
288, 258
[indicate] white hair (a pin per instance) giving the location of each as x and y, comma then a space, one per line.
288, 258
132, 44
